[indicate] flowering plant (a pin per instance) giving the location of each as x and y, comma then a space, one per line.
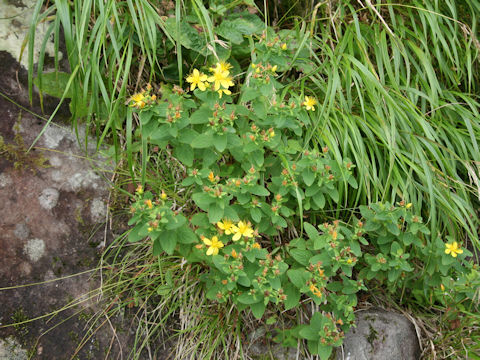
258, 190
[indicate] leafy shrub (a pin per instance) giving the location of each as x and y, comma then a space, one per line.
252, 181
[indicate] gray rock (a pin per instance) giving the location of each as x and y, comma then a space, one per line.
98, 210
380, 335
11, 350
34, 249
21, 231
5, 180
49, 198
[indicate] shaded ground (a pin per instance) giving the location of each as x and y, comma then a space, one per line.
53, 210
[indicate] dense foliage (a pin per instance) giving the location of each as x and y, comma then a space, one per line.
286, 161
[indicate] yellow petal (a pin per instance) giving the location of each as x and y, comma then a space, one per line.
237, 236
211, 250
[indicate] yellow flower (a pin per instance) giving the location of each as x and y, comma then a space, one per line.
442, 287
226, 225
315, 291
196, 78
309, 103
211, 176
274, 68
224, 91
234, 254
149, 203
242, 229
213, 245
408, 206
220, 79
138, 100
163, 196
221, 66
284, 46
453, 249
256, 246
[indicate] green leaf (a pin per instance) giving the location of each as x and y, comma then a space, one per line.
202, 141
134, 235
163, 290
271, 320
176, 222
297, 277
324, 351
157, 248
333, 193
258, 309
309, 333
186, 136
200, 219
244, 281
293, 296
393, 228
259, 190
185, 235
247, 299
301, 256
201, 116
168, 240
188, 36
202, 200
319, 200
220, 142
248, 94
184, 153
259, 108
236, 25
256, 214
215, 213
310, 230
308, 177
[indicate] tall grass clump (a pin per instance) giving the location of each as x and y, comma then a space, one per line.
399, 83
111, 47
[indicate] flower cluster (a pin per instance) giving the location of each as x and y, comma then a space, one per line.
258, 135
142, 98
264, 72
220, 79
242, 230
221, 120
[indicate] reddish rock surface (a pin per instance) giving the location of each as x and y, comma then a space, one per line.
49, 228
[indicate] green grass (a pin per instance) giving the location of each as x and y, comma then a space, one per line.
404, 107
